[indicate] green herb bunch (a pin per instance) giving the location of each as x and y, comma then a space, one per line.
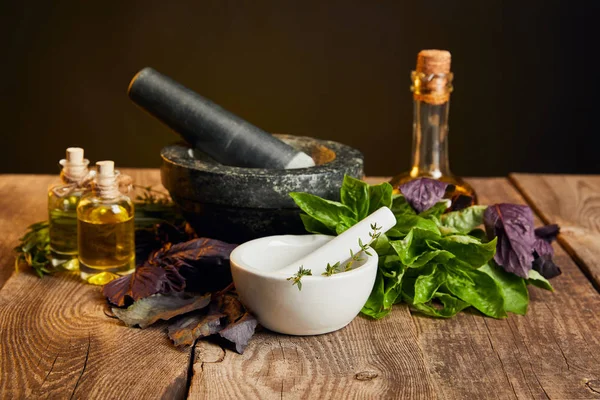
438, 262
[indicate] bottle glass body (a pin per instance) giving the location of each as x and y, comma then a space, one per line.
63, 199
106, 240
430, 137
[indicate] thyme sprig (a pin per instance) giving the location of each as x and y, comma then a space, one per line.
332, 269
296, 278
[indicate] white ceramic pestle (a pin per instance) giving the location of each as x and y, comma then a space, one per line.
339, 248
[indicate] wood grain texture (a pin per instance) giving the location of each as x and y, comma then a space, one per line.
363, 360
22, 202
573, 202
553, 352
56, 340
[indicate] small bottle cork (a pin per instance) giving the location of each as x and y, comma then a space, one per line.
106, 179
74, 165
434, 62
432, 79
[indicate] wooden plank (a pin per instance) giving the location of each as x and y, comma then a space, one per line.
23, 202
55, 339
573, 202
365, 359
550, 353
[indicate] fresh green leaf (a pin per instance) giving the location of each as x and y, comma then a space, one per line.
428, 282
476, 288
436, 211
355, 195
464, 221
413, 246
404, 224
325, 211
314, 226
449, 307
400, 206
536, 279
469, 249
514, 290
380, 196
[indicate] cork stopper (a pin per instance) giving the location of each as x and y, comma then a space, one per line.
433, 62
432, 79
106, 179
75, 167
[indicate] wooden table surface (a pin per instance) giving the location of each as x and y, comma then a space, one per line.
56, 341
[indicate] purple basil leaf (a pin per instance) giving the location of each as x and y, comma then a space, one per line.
423, 193
545, 266
548, 232
512, 224
543, 251
542, 247
145, 281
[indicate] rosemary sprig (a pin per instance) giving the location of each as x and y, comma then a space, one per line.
296, 279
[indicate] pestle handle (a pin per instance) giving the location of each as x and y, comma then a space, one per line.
221, 134
338, 249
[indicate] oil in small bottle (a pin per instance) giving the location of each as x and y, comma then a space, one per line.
106, 230
63, 199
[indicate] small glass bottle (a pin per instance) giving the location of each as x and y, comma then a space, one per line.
63, 198
106, 229
431, 87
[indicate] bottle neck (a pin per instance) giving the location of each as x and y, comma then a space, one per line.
430, 140
430, 124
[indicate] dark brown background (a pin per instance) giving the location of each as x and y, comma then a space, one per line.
523, 87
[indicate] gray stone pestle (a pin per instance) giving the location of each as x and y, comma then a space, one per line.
225, 137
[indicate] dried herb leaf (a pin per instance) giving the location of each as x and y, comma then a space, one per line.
190, 327
147, 311
145, 281
423, 193
240, 332
203, 263
512, 224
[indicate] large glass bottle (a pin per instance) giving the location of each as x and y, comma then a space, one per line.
431, 87
63, 199
106, 229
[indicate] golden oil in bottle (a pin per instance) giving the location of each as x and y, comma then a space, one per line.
431, 87
106, 231
63, 199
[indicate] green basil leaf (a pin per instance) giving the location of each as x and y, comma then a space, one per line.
355, 195
464, 221
514, 290
401, 207
329, 213
405, 223
451, 304
413, 246
469, 249
380, 196
313, 226
536, 279
476, 288
374, 305
436, 211
428, 283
